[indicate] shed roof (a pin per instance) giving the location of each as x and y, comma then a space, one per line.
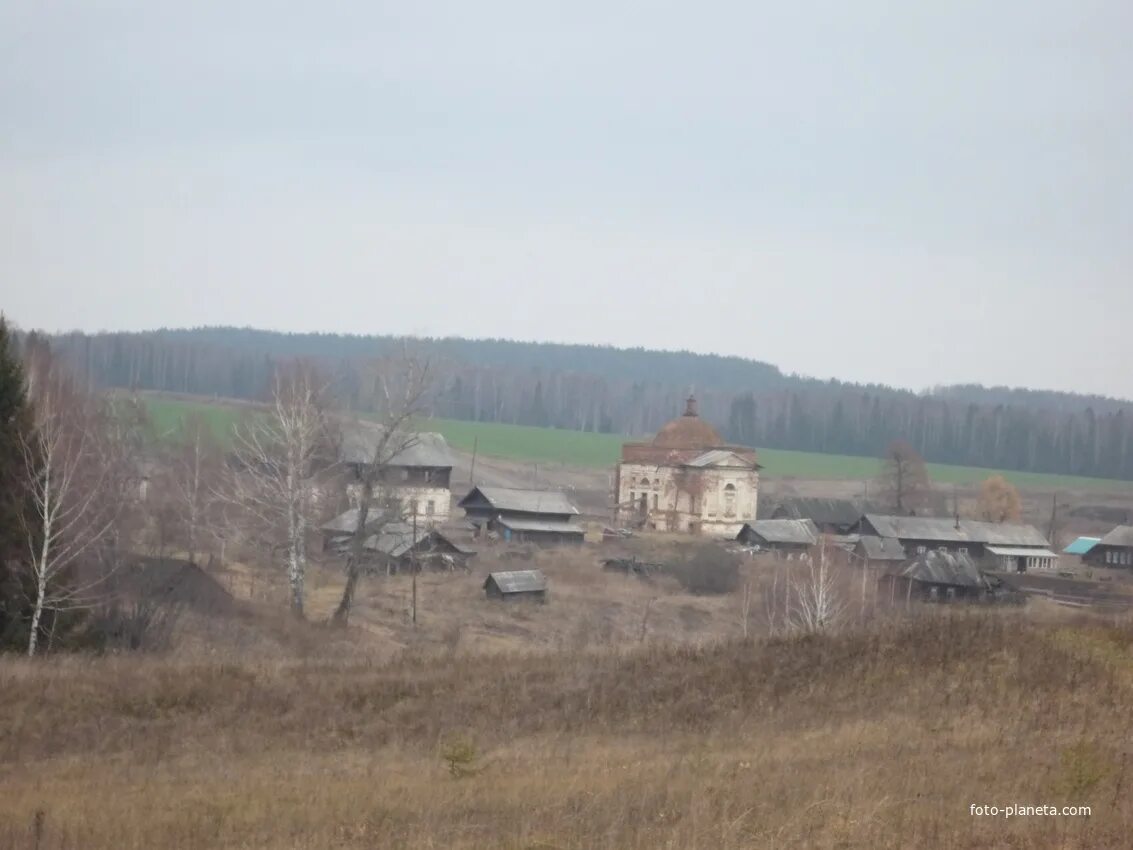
790, 531
822, 511
523, 501
424, 449
544, 525
1120, 536
951, 568
518, 581
1082, 545
395, 539
881, 548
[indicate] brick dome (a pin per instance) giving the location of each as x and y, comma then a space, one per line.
688, 431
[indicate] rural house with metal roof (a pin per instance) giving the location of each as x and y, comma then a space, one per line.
1010, 547
687, 479
516, 584
783, 536
417, 475
1113, 550
523, 516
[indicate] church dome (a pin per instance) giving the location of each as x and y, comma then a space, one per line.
688, 431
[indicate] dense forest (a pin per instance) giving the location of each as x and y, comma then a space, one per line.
634, 391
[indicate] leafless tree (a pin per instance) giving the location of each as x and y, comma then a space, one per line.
77, 474
403, 384
816, 602
904, 477
192, 479
271, 485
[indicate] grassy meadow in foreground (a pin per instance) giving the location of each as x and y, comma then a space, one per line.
877, 739
577, 448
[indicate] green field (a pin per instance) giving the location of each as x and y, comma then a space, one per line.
576, 448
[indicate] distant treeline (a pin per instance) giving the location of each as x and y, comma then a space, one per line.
634, 391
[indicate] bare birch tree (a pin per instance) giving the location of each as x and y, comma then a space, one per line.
816, 603
403, 384
75, 473
192, 476
271, 484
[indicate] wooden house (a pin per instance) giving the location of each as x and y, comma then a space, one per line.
783, 536
1113, 550
517, 515
516, 584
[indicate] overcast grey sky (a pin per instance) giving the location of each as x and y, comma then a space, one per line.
910, 192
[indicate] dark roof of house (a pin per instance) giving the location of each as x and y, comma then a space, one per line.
784, 531
518, 581
545, 525
951, 530
424, 449
1120, 536
881, 548
951, 568
523, 501
822, 511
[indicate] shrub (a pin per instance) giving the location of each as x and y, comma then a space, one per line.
708, 569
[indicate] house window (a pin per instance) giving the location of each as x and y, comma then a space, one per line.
403, 474
655, 501
1108, 557
656, 483
941, 548
921, 550
429, 507
428, 475
963, 550
730, 500
412, 506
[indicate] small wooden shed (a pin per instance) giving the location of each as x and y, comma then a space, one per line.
516, 584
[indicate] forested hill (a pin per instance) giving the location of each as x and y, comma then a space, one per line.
634, 391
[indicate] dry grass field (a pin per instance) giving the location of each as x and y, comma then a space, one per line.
525, 729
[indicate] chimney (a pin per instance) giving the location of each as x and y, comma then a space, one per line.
690, 406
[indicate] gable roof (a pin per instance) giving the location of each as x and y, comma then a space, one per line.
792, 531
822, 511
360, 441
1120, 536
949, 530
1082, 545
721, 457
523, 501
881, 548
950, 568
545, 525
518, 581
918, 528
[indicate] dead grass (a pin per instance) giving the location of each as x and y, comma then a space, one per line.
876, 739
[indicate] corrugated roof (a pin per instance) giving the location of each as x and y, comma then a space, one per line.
822, 511
548, 525
1005, 533
524, 501
518, 581
948, 530
1021, 552
1082, 545
944, 568
395, 539
1120, 536
425, 449
791, 531
882, 548
918, 528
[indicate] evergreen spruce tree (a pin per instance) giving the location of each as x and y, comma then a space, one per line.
15, 419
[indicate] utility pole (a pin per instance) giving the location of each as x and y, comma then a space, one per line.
413, 567
472, 473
